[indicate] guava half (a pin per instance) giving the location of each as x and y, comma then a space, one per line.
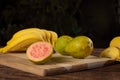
39, 52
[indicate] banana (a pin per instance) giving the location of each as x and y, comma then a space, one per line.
54, 37
43, 34
35, 33
1, 49
20, 43
47, 35
22, 39
23, 32
50, 36
111, 52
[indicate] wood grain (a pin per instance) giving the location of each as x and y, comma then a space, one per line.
109, 72
57, 65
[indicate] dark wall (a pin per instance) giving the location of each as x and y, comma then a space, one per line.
93, 18
100, 18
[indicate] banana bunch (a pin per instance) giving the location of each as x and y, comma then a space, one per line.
22, 39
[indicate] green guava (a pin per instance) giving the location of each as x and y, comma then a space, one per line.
39, 52
61, 43
79, 47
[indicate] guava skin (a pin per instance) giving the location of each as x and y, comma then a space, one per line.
61, 43
80, 47
43, 61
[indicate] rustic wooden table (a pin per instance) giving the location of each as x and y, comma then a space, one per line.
111, 72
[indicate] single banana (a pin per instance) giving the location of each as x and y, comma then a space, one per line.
39, 33
42, 33
111, 52
23, 32
40, 36
21, 43
47, 35
1, 49
53, 38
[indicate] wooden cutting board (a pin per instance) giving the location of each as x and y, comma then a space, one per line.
57, 65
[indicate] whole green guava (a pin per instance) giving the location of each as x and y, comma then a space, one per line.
79, 47
61, 43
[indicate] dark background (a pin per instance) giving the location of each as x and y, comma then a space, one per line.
97, 19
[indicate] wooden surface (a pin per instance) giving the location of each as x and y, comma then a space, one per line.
110, 72
58, 64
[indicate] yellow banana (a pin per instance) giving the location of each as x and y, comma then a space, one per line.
21, 32
24, 38
24, 32
111, 52
1, 49
44, 34
54, 37
35, 33
20, 43
47, 35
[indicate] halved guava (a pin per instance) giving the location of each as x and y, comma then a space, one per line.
39, 52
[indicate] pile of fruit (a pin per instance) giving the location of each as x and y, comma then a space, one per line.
40, 44
77, 47
37, 43
113, 50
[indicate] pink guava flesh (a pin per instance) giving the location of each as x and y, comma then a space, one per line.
39, 51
